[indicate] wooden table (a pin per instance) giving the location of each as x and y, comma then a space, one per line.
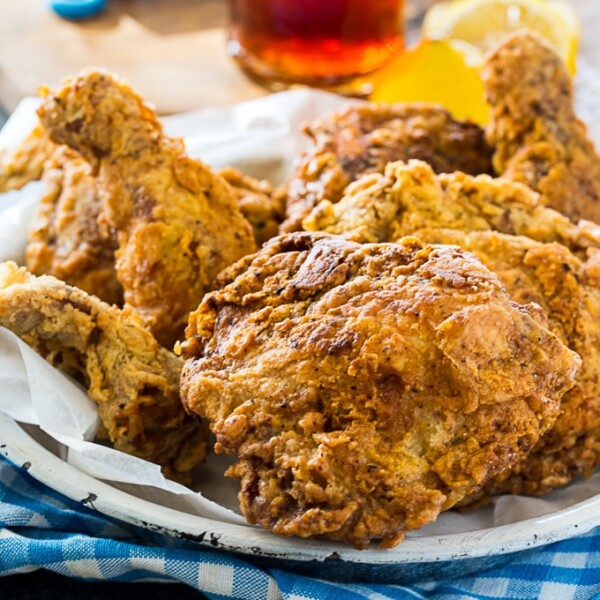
173, 51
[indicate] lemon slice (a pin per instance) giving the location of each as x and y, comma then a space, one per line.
436, 71
485, 23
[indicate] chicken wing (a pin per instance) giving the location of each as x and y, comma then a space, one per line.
365, 138
537, 137
366, 388
178, 222
68, 238
134, 381
491, 219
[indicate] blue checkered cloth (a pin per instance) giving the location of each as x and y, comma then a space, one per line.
40, 528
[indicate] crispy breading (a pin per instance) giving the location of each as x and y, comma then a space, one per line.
261, 204
179, 223
365, 138
68, 238
537, 137
491, 219
26, 163
409, 196
134, 381
367, 388
549, 275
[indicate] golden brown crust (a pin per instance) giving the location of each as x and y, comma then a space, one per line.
261, 204
366, 388
365, 138
551, 276
26, 163
178, 222
537, 137
490, 218
68, 238
134, 381
409, 197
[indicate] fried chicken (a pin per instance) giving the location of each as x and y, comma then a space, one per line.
68, 239
409, 197
365, 138
537, 137
549, 275
367, 388
134, 381
26, 163
491, 219
261, 204
178, 222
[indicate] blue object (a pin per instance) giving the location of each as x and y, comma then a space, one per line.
77, 9
40, 528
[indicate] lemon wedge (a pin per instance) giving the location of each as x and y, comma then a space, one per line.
484, 23
439, 71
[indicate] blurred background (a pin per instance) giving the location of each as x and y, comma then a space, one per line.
173, 51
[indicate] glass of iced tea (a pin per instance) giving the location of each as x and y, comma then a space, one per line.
322, 43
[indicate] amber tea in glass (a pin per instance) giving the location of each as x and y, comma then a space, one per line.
323, 43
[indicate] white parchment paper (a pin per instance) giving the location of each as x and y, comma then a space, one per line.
261, 137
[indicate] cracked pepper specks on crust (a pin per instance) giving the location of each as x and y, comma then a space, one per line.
365, 138
177, 221
537, 137
68, 238
367, 388
134, 381
503, 223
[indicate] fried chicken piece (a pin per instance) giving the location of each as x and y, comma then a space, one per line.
68, 239
537, 137
365, 138
367, 388
262, 206
491, 219
549, 275
26, 163
409, 197
178, 222
134, 381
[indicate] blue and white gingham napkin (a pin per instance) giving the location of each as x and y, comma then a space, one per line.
40, 528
